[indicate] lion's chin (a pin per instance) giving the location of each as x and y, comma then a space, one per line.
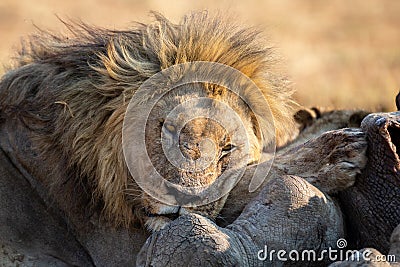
157, 223
165, 214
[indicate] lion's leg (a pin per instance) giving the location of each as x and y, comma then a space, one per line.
31, 233
329, 162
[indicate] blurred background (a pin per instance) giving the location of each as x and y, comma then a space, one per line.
338, 53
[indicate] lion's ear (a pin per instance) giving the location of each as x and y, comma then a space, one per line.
398, 101
306, 117
317, 112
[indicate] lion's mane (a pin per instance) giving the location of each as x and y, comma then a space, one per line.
72, 92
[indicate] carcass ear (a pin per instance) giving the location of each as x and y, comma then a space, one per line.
306, 117
356, 118
398, 101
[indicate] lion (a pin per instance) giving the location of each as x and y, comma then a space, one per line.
73, 92
63, 106
312, 122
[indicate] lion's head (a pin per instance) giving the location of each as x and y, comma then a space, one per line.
205, 143
76, 91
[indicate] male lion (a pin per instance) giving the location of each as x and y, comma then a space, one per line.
72, 93
63, 107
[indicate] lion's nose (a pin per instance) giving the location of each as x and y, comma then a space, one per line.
189, 148
203, 150
190, 151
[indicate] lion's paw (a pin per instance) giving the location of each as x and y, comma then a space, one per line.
345, 159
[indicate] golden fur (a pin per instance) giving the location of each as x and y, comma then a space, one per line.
73, 92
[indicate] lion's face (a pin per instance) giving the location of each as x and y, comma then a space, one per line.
207, 146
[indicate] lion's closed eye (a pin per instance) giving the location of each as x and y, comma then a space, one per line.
227, 149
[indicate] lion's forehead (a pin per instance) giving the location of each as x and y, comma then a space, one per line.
204, 127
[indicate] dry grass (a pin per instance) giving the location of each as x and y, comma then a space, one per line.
344, 54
